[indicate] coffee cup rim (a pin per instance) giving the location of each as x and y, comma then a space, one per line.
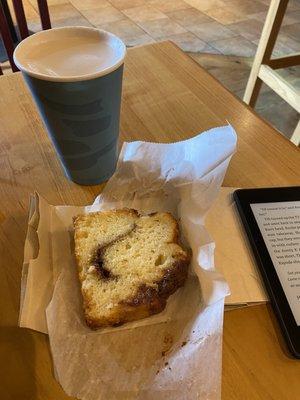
75, 78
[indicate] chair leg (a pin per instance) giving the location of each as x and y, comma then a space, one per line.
1, 72
21, 19
296, 135
265, 48
7, 39
44, 14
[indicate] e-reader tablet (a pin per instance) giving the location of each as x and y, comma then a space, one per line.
271, 218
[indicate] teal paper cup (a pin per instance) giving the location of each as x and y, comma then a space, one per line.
79, 100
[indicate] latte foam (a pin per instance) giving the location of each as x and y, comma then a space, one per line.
71, 53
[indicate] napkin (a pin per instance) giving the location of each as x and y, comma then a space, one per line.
162, 356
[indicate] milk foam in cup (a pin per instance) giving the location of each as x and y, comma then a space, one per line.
75, 77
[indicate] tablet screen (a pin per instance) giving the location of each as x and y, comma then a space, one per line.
279, 224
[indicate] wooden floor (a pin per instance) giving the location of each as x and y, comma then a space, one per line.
221, 35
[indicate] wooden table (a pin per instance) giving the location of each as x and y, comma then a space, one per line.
166, 97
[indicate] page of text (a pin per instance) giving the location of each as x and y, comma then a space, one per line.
279, 224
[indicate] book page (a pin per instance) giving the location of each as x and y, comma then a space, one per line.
279, 224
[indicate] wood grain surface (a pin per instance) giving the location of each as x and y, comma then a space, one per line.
166, 97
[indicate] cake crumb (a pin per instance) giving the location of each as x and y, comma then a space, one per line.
168, 339
167, 344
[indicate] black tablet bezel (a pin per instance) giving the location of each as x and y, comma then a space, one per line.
243, 199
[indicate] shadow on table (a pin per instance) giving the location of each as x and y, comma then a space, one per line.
17, 355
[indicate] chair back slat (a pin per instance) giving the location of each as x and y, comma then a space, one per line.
5, 31
44, 14
9, 20
21, 19
7, 39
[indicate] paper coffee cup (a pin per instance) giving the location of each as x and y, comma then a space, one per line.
75, 77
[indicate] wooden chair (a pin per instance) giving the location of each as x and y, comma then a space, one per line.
5, 23
263, 68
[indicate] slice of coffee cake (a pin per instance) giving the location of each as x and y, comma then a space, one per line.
128, 264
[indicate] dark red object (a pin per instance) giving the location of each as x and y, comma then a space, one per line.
6, 33
7, 39
44, 14
21, 19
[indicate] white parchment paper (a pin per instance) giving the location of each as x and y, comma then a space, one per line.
177, 354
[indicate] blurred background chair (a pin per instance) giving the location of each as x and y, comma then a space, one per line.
263, 67
9, 34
